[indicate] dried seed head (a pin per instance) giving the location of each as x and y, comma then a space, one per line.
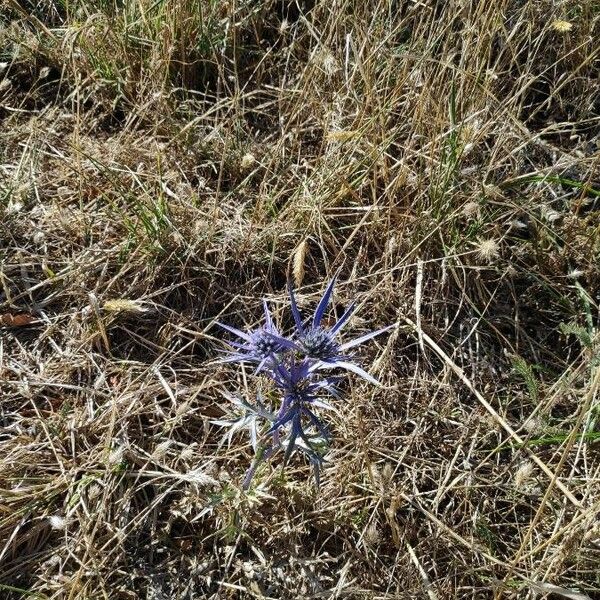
562, 26
38, 238
247, 161
116, 456
188, 452
122, 305
372, 534
161, 450
329, 64
470, 209
523, 473
299, 258
534, 425
388, 473
57, 522
488, 250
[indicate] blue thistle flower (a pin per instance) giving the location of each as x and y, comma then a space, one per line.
294, 366
259, 346
321, 344
300, 389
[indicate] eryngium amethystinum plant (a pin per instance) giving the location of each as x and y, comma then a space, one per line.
295, 365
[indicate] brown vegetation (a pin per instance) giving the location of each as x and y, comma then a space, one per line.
168, 163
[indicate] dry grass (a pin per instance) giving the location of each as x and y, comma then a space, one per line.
164, 164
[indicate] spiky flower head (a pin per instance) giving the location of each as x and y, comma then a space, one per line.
295, 366
259, 346
323, 345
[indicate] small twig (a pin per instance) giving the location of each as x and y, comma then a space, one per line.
430, 591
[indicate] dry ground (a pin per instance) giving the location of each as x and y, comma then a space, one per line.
167, 163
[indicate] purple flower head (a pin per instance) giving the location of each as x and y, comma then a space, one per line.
300, 390
290, 420
299, 383
318, 343
259, 346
